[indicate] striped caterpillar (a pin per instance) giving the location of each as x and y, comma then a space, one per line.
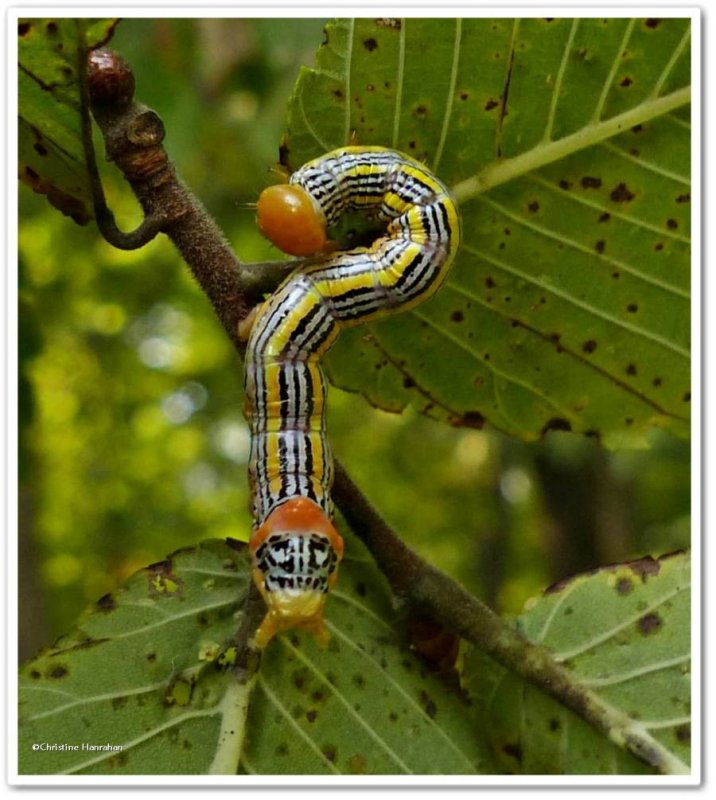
295, 548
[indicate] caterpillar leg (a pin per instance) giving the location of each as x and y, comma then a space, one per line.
247, 323
295, 556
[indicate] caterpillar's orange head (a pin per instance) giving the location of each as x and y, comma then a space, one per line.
295, 555
290, 218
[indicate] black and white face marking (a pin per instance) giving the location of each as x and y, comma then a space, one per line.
302, 562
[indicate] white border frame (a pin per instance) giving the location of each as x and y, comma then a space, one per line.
11, 485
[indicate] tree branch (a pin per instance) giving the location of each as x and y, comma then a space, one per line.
133, 136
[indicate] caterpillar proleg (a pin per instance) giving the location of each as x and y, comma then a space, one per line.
295, 548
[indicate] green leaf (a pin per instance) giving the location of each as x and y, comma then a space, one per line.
567, 144
624, 631
147, 669
51, 155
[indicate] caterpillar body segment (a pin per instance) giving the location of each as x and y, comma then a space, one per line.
291, 467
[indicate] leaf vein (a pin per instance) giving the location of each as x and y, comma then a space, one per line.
678, 50
558, 237
450, 94
649, 165
342, 699
616, 214
603, 637
599, 110
292, 722
410, 700
554, 102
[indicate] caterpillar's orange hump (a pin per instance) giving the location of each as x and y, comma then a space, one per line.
288, 217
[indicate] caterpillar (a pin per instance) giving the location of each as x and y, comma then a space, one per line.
295, 548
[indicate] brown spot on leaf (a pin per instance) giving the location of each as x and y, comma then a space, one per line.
370, 44
556, 424
472, 419
489, 282
589, 346
40, 149
161, 567
457, 316
428, 704
659, 246
58, 671
24, 28
565, 184
311, 715
622, 194
491, 103
330, 752
632, 308
645, 567
624, 586
672, 224
627, 81
687, 397
106, 603
591, 182
604, 217
652, 23
631, 369
118, 760
408, 382
683, 733
656, 382
533, 206
650, 623
513, 750
599, 246
421, 112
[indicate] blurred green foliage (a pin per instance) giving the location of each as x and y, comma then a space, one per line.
132, 438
